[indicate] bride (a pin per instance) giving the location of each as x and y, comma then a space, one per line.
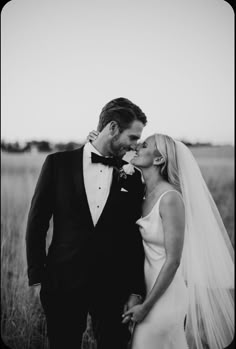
188, 255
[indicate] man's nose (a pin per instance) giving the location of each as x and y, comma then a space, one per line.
133, 147
137, 147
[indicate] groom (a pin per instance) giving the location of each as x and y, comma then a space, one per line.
95, 260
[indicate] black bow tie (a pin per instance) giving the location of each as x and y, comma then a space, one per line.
108, 161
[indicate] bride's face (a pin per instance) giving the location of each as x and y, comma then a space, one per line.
146, 153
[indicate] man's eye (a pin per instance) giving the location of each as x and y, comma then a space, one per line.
144, 145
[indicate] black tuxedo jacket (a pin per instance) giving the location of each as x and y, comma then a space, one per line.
108, 256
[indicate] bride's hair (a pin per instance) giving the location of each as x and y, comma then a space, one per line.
169, 169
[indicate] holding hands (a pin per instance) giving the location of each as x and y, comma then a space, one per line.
136, 313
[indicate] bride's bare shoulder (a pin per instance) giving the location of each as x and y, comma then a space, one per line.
171, 200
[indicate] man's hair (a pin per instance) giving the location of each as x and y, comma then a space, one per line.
123, 111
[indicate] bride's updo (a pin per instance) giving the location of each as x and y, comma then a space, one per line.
169, 169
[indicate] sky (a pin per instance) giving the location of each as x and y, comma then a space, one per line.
63, 60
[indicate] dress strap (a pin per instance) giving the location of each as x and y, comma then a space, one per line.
165, 192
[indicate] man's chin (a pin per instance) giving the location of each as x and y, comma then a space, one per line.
121, 153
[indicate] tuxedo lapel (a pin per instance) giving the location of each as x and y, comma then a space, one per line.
80, 192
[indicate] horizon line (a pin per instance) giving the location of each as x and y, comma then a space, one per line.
215, 143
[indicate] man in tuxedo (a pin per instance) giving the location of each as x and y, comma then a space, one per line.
95, 260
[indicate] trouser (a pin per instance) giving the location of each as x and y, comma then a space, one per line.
66, 315
108, 329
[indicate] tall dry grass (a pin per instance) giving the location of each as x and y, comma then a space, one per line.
22, 320
22, 323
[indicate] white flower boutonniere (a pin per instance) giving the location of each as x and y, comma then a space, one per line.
127, 169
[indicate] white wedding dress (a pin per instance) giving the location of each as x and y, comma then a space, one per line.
207, 267
163, 327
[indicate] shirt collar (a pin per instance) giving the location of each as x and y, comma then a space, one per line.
89, 148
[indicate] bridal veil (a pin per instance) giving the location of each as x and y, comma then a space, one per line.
207, 261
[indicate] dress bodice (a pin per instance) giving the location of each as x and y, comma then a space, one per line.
151, 229
163, 327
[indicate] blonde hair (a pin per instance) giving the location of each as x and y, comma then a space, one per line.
169, 169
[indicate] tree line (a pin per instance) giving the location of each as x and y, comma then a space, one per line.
46, 146
38, 146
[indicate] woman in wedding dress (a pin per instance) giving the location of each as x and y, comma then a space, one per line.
188, 255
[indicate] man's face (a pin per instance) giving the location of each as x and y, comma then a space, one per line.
126, 140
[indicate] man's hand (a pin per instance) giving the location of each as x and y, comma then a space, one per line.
132, 301
137, 313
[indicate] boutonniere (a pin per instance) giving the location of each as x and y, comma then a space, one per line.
125, 170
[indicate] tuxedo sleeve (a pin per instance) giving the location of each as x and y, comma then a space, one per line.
38, 223
137, 282
133, 183
135, 187
136, 261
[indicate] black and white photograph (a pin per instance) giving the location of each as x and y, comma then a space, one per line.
117, 174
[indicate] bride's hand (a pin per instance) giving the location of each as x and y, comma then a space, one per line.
137, 313
92, 136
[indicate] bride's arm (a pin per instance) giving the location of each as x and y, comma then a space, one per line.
173, 220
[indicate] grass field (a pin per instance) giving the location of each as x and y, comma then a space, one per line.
22, 319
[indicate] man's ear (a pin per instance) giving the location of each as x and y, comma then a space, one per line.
114, 128
158, 160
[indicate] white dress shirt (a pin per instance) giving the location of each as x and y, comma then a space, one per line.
97, 181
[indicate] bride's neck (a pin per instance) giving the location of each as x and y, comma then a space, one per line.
152, 179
